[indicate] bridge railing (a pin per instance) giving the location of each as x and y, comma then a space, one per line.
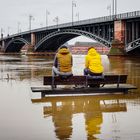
132, 45
128, 15
100, 19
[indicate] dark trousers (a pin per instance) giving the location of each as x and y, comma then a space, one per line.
88, 72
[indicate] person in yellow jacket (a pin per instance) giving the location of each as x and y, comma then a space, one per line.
63, 62
93, 63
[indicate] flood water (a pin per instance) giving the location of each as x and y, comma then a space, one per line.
26, 116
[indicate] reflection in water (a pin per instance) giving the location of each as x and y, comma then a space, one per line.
62, 109
62, 119
93, 118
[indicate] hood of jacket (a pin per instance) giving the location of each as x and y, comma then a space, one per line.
63, 51
92, 52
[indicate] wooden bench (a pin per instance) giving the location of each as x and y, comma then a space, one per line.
83, 80
113, 83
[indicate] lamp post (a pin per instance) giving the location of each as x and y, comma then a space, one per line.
1, 33
30, 21
56, 19
18, 27
41, 25
47, 13
77, 15
73, 5
109, 8
8, 31
114, 8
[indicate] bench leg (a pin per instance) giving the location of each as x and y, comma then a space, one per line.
53, 84
86, 83
102, 85
42, 94
126, 91
118, 82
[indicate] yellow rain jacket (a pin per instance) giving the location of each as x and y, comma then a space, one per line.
64, 60
93, 61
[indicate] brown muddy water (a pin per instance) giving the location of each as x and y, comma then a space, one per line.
26, 116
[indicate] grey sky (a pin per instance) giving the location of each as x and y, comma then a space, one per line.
13, 12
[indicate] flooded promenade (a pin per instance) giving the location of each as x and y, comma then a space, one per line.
27, 116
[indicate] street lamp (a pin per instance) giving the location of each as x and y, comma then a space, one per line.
47, 13
77, 15
114, 7
30, 21
8, 31
56, 19
73, 5
18, 27
1, 33
109, 8
41, 25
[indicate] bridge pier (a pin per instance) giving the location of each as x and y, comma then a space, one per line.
118, 44
117, 48
2, 46
31, 46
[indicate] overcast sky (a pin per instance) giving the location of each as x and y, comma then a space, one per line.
14, 14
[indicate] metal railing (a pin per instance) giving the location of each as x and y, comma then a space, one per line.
133, 45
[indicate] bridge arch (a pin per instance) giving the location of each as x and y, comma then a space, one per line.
61, 36
133, 47
15, 44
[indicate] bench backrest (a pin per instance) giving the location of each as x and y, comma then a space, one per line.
70, 81
115, 78
109, 79
81, 80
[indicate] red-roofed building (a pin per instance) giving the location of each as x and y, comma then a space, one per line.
82, 47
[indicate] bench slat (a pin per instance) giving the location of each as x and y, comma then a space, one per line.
70, 81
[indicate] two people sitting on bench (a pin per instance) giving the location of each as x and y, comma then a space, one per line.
62, 63
93, 64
